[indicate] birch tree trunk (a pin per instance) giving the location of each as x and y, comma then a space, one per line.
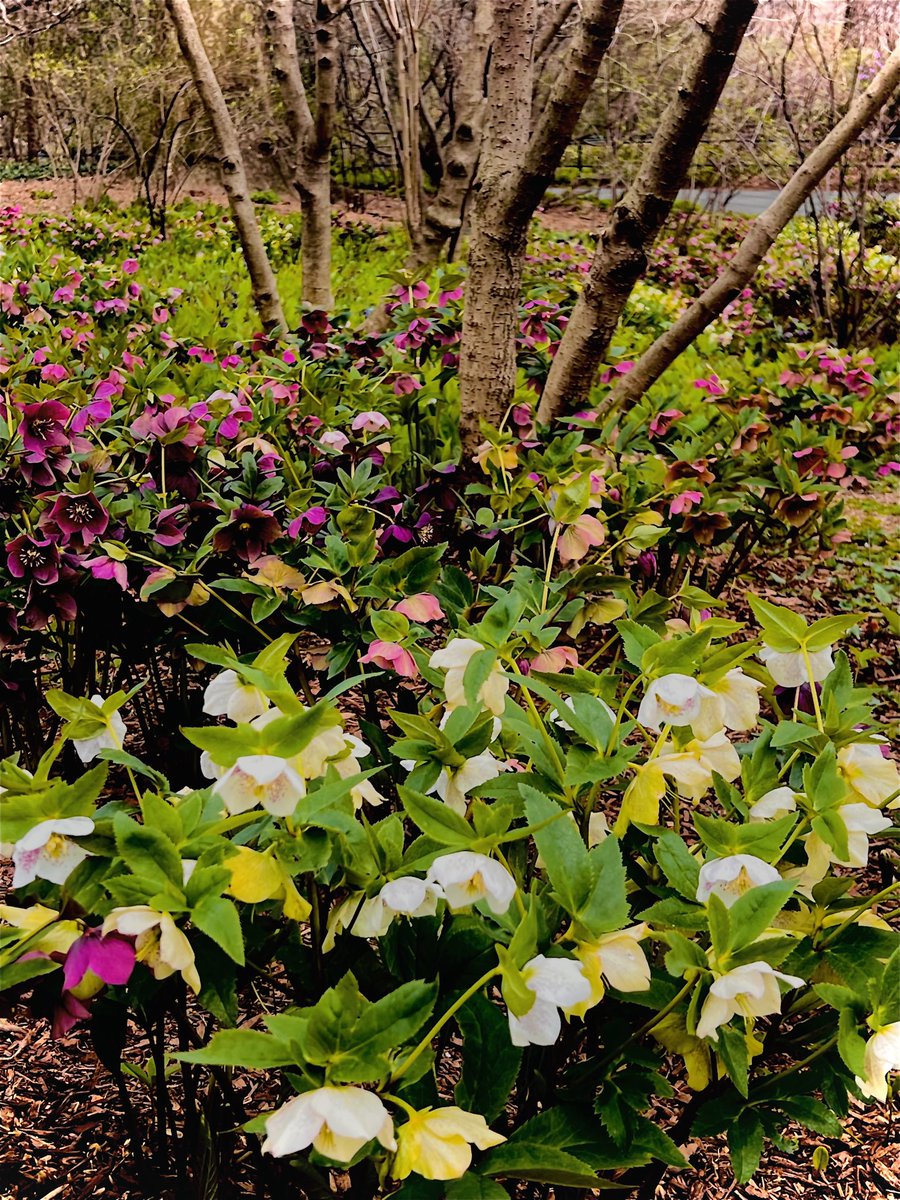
234, 177
514, 173
759, 238
311, 135
620, 258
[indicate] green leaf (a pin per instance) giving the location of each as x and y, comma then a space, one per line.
560, 845
538, 1163
243, 1048
474, 1187
783, 629
21, 971
752, 914
476, 674
827, 630
762, 838
218, 918
160, 815
607, 906
732, 1049
490, 1060
147, 852
436, 819
389, 1022
745, 1144
678, 865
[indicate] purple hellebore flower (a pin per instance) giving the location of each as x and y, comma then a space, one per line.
79, 517
43, 425
36, 558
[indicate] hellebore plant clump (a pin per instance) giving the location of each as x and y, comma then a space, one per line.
466, 770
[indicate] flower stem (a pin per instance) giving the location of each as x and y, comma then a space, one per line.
441, 1022
870, 902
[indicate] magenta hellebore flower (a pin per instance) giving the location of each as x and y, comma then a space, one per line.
310, 521
391, 656
110, 958
34, 558
43, 425
79, 517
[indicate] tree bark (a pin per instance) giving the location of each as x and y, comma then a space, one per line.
311, 135
620, 258
759, 238
234, 177
514, 173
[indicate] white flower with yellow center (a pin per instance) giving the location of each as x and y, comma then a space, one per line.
110, 738
228, 696
774, 804
262, 779
861, 822
158, 942
731, 703
454, 658
47, 851
671, 700
437, 1143
730, 877
692, 765
882, 1056
336, 1121
616, 958
872, 777
454, 783
466, 878
789, 669
558, 984
750, 991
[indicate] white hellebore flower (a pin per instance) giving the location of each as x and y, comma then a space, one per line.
335, 1121
749, 991
861, 821
227, 696
868, 773
671, 700
110, 738
730, 877
410, 897
882, 1057
732, 703
466, 878
454, 783
618, 958
159, 942
557, 983
48, 852
454, 658
261, 779
774, 804
788, 667
693, 764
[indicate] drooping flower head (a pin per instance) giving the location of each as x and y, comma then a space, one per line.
336, 1121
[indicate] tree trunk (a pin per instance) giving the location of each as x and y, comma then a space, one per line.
234, 177
311, 135
488, 367
758, 240
634, 223
514, 173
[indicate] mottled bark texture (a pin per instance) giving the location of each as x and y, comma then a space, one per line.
759, 238
620, 258
231, 164
311, 134
515, 170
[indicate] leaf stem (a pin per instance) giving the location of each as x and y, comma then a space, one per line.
441, 1022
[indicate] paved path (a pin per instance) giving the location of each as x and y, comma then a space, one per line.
750, 201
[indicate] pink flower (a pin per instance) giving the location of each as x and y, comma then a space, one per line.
391, 656
712, 386
54, 373
103, 567
94, 413
130, 266
555, 660
423, 606
684, 502
42, 427
110, 958
413, 293
310, 521
663, 422
333, 439
370, 422
579, 537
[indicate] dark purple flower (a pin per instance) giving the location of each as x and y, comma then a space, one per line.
81, 517
43, 426
68, 1012
248, 533
170, 525
33, 558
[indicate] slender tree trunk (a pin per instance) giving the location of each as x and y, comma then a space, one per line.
759, 238
634, 223
311, 135
514, 173
234, 177
488, 367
